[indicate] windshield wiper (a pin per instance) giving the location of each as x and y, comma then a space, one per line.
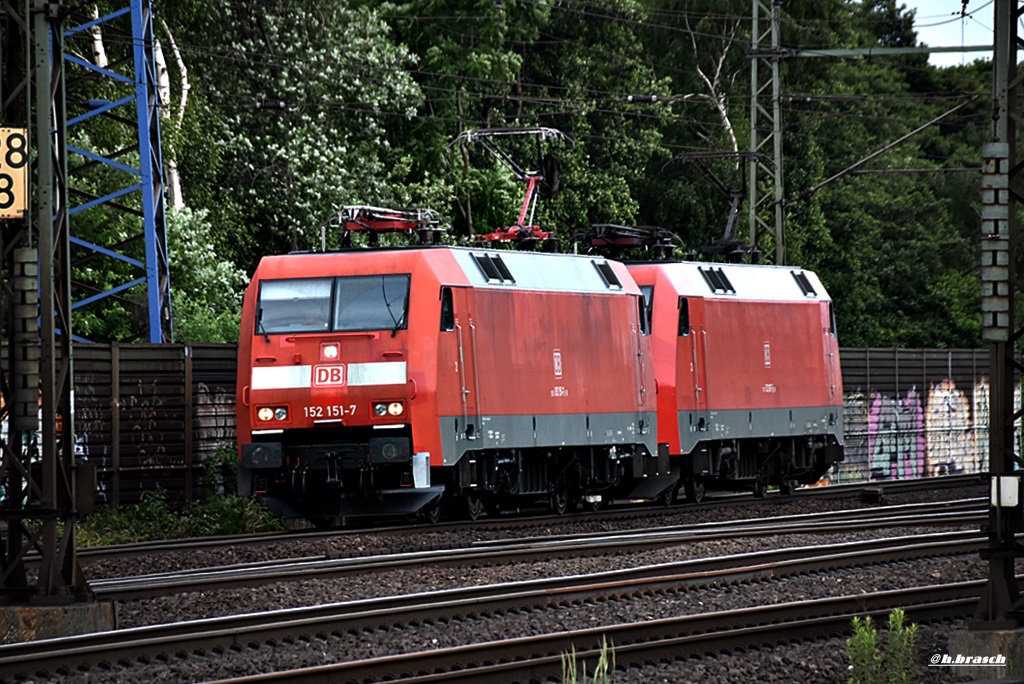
260, 329
401, 319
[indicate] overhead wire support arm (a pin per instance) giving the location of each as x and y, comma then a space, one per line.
804, 194
523, 231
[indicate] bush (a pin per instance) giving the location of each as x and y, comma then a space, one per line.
153, 519
865, 660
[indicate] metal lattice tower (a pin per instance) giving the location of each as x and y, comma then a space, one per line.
130, 192
78, 190
38, 475
766, 213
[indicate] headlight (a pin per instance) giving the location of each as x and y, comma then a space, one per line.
329, 351
382, 409
275, 413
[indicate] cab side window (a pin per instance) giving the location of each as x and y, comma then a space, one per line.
684, 316
447, 310
645, 328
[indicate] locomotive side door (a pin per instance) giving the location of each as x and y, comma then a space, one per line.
641, 329
692, 361
831, 353
466, 341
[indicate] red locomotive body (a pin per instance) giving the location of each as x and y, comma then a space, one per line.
386, 381
747, 364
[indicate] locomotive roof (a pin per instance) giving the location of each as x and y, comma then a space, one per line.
542, 271
479, 267
742, 281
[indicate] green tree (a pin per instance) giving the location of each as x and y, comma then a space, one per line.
469, 66
207, 289
593, 80
298, 108
892, 241
298, 100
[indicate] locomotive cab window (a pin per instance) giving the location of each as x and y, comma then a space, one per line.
294, 305
377, 302
346, 304
641, 307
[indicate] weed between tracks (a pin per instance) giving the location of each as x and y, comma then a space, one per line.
604, 671
891, 661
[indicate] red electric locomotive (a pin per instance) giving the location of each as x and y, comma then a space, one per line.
390, 381
747, 365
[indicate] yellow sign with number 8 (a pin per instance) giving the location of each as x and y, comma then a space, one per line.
13, 172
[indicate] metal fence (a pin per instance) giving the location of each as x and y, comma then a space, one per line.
152, 416
149, 416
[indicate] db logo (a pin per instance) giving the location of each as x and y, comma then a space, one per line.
328, 375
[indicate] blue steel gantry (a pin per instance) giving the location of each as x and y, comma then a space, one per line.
131, 185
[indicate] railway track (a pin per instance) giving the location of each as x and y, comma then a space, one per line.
969, 512
504, 661
617, 514
540, 658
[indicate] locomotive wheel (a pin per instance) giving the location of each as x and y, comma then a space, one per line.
787, 487
669, 496
474, 506
559, 502
574, 502
431, 513
695, 489
760, 488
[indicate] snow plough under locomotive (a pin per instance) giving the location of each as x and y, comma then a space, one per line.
393, 381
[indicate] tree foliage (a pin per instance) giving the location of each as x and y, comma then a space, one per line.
299, 107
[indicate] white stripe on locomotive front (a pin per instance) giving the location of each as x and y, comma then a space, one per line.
281, 377
300, 377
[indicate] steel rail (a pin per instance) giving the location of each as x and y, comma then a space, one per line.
540, 521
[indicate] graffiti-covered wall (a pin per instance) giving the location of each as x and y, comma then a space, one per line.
914, 413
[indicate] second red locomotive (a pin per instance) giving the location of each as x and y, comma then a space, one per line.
747, 363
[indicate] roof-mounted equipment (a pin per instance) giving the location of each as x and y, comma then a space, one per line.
614, 240
426, 224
